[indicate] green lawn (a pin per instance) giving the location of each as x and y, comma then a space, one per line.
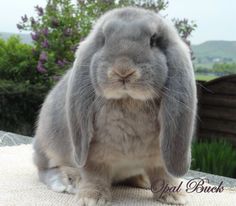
205, 77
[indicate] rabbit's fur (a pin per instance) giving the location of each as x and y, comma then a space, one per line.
124, 112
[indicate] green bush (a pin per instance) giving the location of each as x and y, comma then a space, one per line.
22, 90
19, 106
215, 157
17, 62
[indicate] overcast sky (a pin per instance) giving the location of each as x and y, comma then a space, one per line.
216, 19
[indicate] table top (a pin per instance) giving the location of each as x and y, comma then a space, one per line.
11, 139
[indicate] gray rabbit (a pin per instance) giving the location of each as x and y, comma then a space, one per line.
125, 112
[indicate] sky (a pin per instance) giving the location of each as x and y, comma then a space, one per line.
216, 19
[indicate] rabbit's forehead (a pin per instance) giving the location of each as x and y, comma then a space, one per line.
139, 27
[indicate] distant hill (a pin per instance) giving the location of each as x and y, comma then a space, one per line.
26, 38
211, 52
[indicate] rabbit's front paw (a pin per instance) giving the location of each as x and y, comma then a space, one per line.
176, 198
86, 201
97, 196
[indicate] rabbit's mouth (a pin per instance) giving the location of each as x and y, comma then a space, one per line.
127, 91
124, 80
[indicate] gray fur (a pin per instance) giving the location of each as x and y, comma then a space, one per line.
91, 119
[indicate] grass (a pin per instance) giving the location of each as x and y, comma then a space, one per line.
205, 77
215, 157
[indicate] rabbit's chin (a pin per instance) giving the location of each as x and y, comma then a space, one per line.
122, 94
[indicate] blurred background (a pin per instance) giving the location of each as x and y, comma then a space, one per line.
38, 39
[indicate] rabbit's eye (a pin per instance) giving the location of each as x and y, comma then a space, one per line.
153, 40
157, 41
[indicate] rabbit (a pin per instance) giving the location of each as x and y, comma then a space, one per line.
125, 111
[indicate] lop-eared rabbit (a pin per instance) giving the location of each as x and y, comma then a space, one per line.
125, 112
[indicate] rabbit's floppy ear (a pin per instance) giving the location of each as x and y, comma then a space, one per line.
79, 101
178, 105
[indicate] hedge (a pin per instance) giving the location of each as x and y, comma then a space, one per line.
19, 106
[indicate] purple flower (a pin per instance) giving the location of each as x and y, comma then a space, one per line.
19, 26
81, 2
35, 36
68, 32
45, 44
24, 18
40, 67
45, 31
39, 10
54, 23
43, 57
32, 20
61, 63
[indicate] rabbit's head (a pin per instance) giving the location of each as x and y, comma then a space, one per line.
135, 53
130, 61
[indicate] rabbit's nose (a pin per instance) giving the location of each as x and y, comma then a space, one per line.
124, 73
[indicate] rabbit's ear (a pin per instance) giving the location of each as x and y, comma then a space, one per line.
79, 103
178, 106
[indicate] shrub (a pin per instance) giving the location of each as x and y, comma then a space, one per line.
216, 157
55, 34
21, 90
19, 106
16, 62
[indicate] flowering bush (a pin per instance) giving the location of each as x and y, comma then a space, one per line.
54, 33
61, 25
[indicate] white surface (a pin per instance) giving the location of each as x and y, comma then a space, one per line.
19, 185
